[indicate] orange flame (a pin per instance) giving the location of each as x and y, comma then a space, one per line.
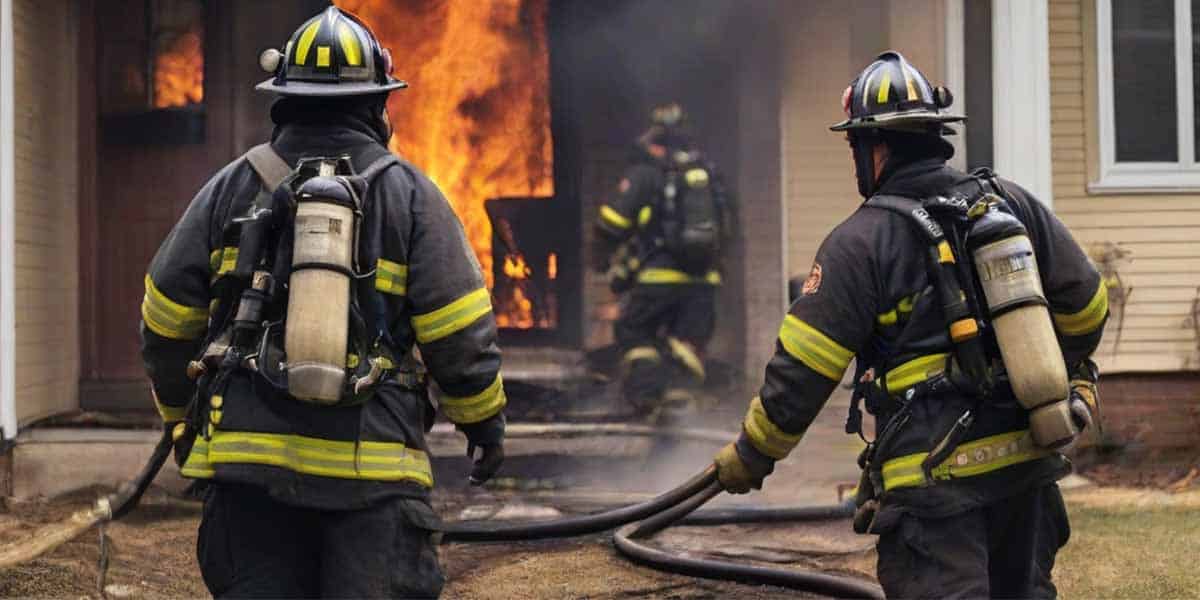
179, 70
477, 117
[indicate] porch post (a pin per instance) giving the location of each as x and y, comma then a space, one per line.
1021, 94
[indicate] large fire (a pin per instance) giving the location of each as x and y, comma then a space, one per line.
179, 70
476, 118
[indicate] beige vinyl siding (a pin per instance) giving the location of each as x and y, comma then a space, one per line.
1159, 231
827, 44
46, 224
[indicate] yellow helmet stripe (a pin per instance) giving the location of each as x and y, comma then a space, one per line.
322, 56
885, 86
351, 48
306, 40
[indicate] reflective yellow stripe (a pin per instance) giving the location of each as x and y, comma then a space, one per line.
350, 45
391, 278
377, 461
169, 414
815, 349
885, 86
972, 458
915, 371
765, 436
453, 317
306, 40
322, 56
222, 260
945, 254
1087, 320
686, 355
170, 319
658, 276
473, 409
614, 218
649, 353
644, 216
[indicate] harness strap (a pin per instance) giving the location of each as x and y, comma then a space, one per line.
271, 167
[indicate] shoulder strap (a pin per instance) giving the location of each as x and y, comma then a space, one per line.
380, 165
914, 211
271, 168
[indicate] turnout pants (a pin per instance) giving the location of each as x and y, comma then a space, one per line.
1002, 550
662, 331
251, 546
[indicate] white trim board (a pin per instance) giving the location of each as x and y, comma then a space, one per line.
8, 329
1021, 94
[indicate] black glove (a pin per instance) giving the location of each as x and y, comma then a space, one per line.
488, 436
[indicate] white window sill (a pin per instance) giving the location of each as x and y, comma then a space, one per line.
1147, 179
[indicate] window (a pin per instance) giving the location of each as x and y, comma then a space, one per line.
152, 55
1148, 127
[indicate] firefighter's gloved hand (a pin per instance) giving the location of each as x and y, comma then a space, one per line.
1083, 403
488, 437
740, 467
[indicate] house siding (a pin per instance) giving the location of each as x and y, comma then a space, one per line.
46, 220
1153, 325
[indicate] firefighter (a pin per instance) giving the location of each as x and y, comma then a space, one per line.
312, 494
664, 232
959, 476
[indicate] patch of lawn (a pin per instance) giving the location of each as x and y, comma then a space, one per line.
1130, 552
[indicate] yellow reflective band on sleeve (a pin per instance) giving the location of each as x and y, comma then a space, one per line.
686, 356
306, 40
453, 317
915, 371
644, 216
1087, 320
815, 349
765, 436
350, 45
391, 278
473, 409
169, 414
970, 459
657, 276
373, 461
609, 215
170, 319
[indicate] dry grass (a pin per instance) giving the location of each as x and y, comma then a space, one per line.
1131, 543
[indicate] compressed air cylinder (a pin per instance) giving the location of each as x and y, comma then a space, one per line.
1008, 273
317, 326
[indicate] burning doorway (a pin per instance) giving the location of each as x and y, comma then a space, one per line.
477, 121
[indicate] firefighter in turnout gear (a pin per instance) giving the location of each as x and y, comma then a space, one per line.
279, 321
662, 236
922, 285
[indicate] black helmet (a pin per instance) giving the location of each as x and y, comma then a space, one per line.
892, 94
331, 54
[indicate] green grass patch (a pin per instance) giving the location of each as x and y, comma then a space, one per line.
1130, 552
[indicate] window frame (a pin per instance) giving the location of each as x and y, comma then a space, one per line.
1183, 174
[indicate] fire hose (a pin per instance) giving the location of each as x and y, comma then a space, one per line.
637, 521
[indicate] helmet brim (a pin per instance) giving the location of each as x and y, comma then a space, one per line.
899, 120
329, 90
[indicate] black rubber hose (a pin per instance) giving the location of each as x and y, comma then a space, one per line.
126, 497
819, 583
755, 514
582, 525
668, 517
